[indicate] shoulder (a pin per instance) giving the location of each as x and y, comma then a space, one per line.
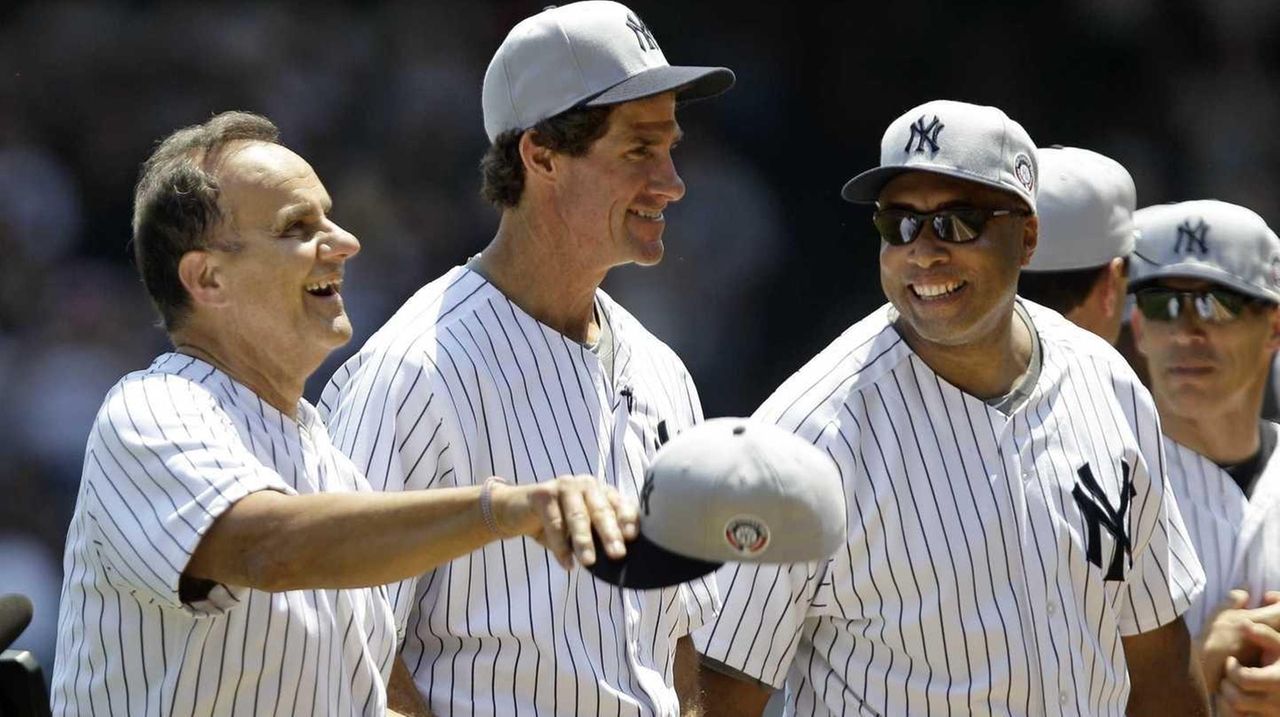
627, 328
854, 361
1071, 347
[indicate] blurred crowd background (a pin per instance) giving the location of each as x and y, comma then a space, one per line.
764, 263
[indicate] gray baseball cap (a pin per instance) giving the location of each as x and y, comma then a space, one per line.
957, 139
1207, 239
730, 489
590, 53
1086, 203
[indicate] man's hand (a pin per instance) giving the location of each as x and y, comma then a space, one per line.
1225, 634
1255, 690
561, 513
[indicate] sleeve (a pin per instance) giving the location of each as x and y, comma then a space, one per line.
759, 626
164, 461
388, 417
1166, 577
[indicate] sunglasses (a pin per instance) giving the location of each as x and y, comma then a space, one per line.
956, 226
1214, 306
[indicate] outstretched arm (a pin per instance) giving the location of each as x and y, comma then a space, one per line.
276, 542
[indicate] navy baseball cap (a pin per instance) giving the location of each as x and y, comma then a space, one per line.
730, 489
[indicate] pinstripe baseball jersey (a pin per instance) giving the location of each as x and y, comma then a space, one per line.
995, 557
171, 449
460, 385
1236, 537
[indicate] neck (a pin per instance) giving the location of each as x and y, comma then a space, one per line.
543, 273
1225, 434
986, 368
277, 384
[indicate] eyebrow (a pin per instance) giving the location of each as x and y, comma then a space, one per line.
657, 132
302, 210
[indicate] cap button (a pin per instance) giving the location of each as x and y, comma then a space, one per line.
739, 430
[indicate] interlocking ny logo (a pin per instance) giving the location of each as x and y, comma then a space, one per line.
922, 135
1098, 513
643, 35
645, 491
1192, 238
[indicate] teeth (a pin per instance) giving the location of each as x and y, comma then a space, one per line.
324, 286
655, 216
930, 291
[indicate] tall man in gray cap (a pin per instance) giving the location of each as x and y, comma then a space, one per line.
1012, 547
517, 365
1081, 265
1207, 290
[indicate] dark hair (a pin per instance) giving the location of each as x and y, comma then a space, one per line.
571, 132
175, 203
1061, 291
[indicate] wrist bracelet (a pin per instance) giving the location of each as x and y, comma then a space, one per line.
486, 504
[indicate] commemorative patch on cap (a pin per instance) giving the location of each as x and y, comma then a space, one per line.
1025, 173
747, 535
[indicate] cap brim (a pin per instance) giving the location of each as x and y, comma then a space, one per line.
648, 566
1198, 271
866, 187
690, 83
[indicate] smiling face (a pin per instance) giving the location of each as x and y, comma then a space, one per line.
612, 199
1199, 368
278, 283
954, 294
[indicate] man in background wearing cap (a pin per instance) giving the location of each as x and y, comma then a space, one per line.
1081, 264
1012, 548
1207, 320
517, 365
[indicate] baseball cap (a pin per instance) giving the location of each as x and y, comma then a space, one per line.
1085, 202
592, 53
730, 489
957, 139
1226, 244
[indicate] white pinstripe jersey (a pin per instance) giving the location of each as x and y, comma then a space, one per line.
1237, 538
171, 449
985, 571
460, 385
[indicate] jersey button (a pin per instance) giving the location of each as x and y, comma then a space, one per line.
1062, 698
1052, 608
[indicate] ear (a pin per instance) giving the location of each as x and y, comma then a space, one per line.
201, 275
1273, 342
1030, 238
1110, 287
539, 162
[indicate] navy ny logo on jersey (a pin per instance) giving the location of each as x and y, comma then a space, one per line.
922, 135
1099, 514
1192, 238
643, 35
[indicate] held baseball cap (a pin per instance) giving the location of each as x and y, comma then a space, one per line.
591, 53
1206, 239
730, 489
1086, 203
957, 139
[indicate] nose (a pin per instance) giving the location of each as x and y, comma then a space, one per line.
927, 250
338, 244
665, 180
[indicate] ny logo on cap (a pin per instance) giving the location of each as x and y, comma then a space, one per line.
922, 135
1192, 238
643, 35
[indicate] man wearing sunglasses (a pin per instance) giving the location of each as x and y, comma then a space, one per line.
1207, 285
1011, 548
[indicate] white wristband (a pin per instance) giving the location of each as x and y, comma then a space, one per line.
486, 504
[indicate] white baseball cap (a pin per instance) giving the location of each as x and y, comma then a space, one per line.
1086, 203
730, 489
957, 139
1207, 239
591, 53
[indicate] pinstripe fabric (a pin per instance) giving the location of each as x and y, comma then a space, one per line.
171, 449
965, 587
1237, 538
460, 385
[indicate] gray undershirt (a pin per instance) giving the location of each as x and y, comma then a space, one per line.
1026, 383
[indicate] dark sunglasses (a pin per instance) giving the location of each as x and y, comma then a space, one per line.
1214, 306
956, 226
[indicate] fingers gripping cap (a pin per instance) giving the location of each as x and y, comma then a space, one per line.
730, 489
1086, 203
956, 139
595, 52
1207, 239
